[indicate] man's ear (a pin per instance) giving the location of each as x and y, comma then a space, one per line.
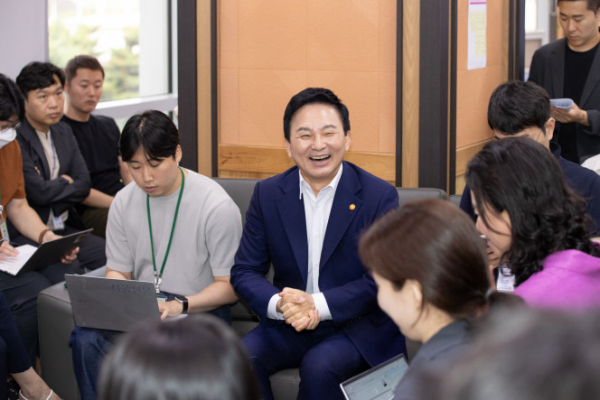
550, 124
416, 293
288, 148
178, 154
348, 139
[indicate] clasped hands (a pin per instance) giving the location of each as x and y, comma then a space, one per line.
298, 308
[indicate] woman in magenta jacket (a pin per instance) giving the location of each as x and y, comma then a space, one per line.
535, 224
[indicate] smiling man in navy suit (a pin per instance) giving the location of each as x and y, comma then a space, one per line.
320, 313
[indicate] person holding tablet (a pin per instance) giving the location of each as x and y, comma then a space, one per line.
430, 266
56, 177
20, 224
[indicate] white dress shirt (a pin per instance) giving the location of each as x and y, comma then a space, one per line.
316, 213
54, 165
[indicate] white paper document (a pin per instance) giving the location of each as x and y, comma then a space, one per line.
477, 50
12, 265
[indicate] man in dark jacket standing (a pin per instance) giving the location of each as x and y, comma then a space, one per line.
570, 68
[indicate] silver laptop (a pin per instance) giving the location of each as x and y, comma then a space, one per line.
112, 304
376, 383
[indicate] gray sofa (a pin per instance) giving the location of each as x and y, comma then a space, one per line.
55, 318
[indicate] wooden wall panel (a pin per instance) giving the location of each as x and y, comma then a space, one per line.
463, 156
262, 162
474, 87
269, 50
410, 94
204, 87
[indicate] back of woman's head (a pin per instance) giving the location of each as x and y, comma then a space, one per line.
196, 358
522, 177
436, 244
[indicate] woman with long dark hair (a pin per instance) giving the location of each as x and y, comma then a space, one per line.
535, 224
430, 266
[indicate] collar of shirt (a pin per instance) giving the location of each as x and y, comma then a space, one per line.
50, 152
45, 136
307, 190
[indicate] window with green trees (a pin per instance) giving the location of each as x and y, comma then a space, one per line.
107, 30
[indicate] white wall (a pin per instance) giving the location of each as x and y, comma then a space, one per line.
23, 27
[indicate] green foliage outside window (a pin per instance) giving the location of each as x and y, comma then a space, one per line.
121, 71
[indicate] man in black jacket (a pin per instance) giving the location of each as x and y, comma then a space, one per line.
56, 177
570, 68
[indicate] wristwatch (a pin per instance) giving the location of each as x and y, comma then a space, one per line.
184, 302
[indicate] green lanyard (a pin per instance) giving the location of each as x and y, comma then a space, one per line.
158, 276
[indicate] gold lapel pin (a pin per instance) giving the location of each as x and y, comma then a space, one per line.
352, 207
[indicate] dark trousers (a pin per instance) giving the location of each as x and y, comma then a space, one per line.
96, 218
13, 356
22, 292
90, 346
326, 357
3, 366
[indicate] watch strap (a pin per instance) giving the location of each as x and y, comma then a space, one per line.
184, 302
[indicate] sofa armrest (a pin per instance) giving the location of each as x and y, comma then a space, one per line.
55, 322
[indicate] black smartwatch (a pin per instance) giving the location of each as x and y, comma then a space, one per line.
184, 302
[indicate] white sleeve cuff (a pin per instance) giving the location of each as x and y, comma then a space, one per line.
321, 306
272, 308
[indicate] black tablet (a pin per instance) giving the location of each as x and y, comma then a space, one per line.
53, 251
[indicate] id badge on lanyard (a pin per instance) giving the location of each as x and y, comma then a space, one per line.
57, 222
3, 228
506, 280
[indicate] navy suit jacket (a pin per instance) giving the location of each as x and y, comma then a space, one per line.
44, 193
275, 233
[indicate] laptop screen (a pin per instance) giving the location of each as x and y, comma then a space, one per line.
376, 383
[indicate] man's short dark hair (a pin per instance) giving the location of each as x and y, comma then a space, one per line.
198, 357
592, 5
38, 75
312, 96
154, 132
82, 61
11, 99
515, 106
